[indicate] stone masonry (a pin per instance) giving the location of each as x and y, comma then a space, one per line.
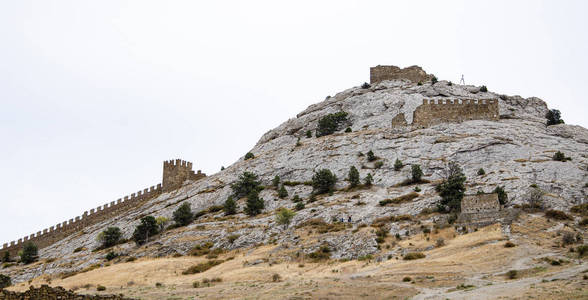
50, 293
175, 172
481, 210
433, 112
413, 73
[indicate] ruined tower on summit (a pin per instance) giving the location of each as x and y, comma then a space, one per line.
415, 74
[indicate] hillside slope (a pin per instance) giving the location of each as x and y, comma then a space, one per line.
515, 152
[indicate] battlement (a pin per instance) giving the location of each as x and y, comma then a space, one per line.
175, 172
414, 73
432, 112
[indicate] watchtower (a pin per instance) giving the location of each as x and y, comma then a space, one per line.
175, 172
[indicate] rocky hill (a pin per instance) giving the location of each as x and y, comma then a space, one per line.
515, 151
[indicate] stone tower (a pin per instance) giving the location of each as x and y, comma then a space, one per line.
175, 172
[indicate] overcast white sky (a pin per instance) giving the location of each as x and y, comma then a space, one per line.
96, 94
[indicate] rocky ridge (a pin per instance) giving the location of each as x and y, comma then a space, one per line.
515, 153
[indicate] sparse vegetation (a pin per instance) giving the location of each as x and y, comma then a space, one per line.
581, 209
560, 156
323, 181
378, 164
202, 267
109, 237
398, 165
416, 173
254, 204
233, 237
568, 238
534, 198
284, 216
481, 172
451, 189
321, 226
582, 250
5, 281
406, 279
509, 244
324, 252
371, 156
512, 274
484, 89
308, 134
413, 255
502, 196
404, 198
29, 253
249, 155
440, 242
353, 177
111, 255
183, 215
557, 215
276, 181
246, 183
368, 180
330, 123
433, 80
553, 117
276, 277
282, 192
299, 205
146, 229
348, 130
101, 288
230, 206
365, 85
161, 223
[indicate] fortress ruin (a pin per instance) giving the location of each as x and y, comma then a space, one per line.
433, 112
482, 210
413, 73
175, 173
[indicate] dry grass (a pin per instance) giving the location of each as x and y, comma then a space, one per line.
401, 199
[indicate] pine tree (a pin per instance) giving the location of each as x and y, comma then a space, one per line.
353, 177
230, 206
282, 193
254, 204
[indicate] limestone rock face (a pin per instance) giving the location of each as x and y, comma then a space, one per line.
515, 152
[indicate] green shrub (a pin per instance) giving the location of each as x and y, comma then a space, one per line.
276, 277
284, 216
299, 206
183, 215
324, 252
111, 255
230, 206
202, 267
282, 192
368, 180
509, 244
381, 234
5, 281
419, 83
371, 156
484, 89
330, 123
296, 199
413, 255
348, 130
246, 183
101, 288
353, 177
161, 222
29, 253
581, 209
365, 85
308, 134
434, 80
196, 284
502, 196
398, 165
553, 117
146, 229
233, 237
583, 222
416, 173
254, 204
406, 279
249, 155
512, 274
559, 156
568, 238
452, 189
109, 237
203, 249
440, 242
378, 164
323, 181
582, 250
417, 189
557, 215
276, 181
481, 172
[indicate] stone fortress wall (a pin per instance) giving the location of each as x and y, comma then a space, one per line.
484, 209
175, 172
413, 73
46, 292
433, 112
481, 203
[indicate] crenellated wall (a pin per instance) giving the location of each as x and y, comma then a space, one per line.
175, 172
433, 112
